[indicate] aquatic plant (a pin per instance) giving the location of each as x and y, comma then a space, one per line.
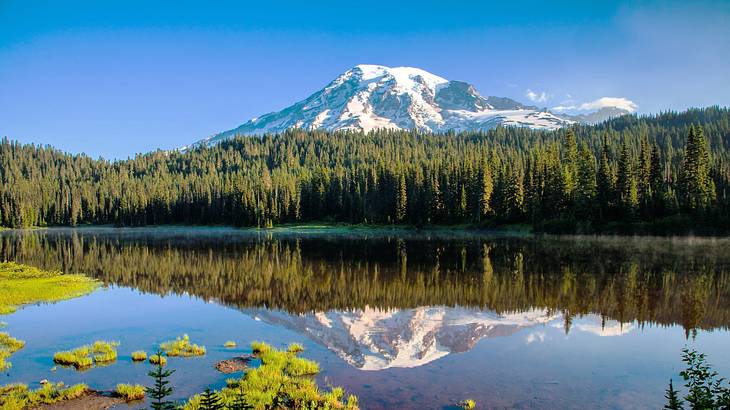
19, 396
158, 359
229, 344
468, 404
139, 356
260, 347
295, 348
23, 284
100, 352
130, 392
282, 381
8, 346
182, 347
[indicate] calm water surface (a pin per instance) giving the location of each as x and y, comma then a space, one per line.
403, 320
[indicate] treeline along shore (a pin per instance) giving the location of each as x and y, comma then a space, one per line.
662, 174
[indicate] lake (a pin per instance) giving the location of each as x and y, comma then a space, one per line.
403, 319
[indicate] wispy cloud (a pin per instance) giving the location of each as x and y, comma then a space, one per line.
537, 97
603, 102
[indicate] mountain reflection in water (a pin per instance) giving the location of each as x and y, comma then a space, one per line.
382, 301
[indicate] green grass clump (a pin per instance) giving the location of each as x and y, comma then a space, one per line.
18, 396
297, 366
22, 284
8, 346
229, 344
100, 352
157, 359
282, 378
295, 348
129, 392
182, 347
260, 347
139, 356
468, 404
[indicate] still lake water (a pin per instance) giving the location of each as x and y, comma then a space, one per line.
403, 320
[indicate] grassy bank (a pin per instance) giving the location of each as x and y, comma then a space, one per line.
22, 285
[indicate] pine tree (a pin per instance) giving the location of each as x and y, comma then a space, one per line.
626, 183
486, 187
673, 400
210, 400
697, 187
586, 187
569, 160
401, 200
161, 389
656, 181
239, 401
643, 176
604, 181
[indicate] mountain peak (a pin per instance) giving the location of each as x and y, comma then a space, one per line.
369, 97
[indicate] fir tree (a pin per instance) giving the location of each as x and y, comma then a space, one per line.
210, 400
161, 389
673, 400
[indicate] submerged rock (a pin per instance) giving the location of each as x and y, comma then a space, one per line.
233, 365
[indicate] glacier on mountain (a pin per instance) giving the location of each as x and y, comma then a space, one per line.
370, 97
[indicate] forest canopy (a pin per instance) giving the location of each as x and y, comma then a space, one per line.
666, 173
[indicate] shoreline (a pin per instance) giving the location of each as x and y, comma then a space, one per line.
359, 230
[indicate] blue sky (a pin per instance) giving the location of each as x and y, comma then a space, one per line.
113, 78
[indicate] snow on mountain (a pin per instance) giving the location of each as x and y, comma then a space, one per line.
596, 117
376, 339
369, 97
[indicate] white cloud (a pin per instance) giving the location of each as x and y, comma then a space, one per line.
537, 97
618, 102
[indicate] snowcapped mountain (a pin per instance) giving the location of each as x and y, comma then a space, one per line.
598, 116
376, 339
369, 97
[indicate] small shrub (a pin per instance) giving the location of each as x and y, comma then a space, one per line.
139, 356
295, 348
230, 344
182, 347
468, 404
130, 392
158, 359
